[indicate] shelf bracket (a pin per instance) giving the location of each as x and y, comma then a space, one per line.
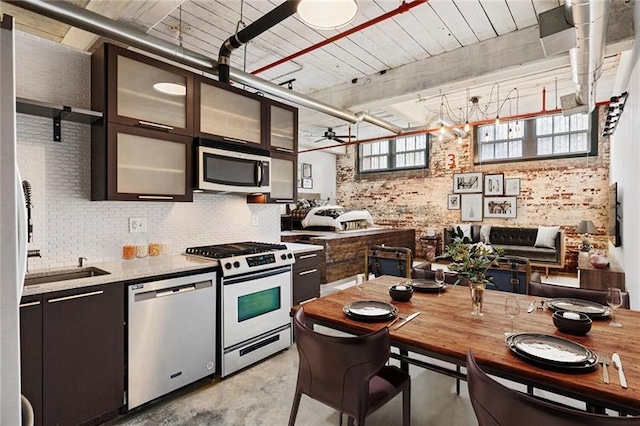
57, 123
57, 113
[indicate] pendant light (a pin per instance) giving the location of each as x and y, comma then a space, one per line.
441, 136
467, 127
327, 14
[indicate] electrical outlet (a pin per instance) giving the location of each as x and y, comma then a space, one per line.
137, 224
254, 220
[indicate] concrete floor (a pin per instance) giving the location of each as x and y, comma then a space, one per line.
262, 395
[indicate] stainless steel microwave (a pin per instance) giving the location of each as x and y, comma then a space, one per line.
225, 168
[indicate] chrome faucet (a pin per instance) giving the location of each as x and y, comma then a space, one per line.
81, 261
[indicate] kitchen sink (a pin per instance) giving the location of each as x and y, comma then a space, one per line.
67, 274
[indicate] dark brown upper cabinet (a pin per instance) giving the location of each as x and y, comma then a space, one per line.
141, 150
131, 89
283, 127
224, 112
139, 164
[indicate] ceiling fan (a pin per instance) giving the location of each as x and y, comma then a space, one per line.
331, 135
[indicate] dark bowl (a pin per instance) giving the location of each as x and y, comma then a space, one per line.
400, 294
576, 327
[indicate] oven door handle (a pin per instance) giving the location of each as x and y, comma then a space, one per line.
256, 275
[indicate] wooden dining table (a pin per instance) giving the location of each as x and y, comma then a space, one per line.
445, 330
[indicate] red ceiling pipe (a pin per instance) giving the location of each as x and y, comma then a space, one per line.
435, 129
401, 9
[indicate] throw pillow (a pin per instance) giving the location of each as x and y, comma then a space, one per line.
485, 231
466, 230
547, 236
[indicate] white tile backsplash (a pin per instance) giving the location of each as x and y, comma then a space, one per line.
66, 223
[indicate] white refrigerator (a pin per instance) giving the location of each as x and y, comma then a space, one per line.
13, 249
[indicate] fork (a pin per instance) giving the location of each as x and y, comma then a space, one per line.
604, 360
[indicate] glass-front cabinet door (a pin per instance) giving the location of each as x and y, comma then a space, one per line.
148, 93
283, 178
145, 167
284, 128
228, 113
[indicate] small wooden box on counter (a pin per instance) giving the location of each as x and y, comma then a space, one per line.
599, 279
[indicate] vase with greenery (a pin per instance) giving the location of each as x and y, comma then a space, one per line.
472, 261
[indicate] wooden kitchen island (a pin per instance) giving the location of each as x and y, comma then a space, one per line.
345, 251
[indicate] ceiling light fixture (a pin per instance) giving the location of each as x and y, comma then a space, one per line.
467, 127
327, 14
171, 89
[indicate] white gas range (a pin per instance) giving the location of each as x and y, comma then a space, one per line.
254, 295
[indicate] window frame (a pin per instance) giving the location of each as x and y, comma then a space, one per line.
529, 142
391, 156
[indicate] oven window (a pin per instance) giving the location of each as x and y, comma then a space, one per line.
228, 170
256, 304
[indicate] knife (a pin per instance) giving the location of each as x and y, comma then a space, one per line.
618, 364
409, 318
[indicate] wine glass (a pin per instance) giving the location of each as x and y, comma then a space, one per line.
511, 308
439, 277
614, 299
359, 281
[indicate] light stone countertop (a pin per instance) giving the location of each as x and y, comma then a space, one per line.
119, 271
303, 248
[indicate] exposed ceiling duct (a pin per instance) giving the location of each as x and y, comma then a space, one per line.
114, 30
257, 27
590, 19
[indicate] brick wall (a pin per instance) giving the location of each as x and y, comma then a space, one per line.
553, 192
66, 223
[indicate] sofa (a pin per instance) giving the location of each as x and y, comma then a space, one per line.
517, 241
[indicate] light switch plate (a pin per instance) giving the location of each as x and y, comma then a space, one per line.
137, 224
255, 220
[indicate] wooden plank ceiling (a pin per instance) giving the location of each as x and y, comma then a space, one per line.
424, 37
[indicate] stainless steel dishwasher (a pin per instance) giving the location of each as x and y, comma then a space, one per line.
172, 335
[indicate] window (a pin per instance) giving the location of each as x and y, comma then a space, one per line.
553, 136
395, 154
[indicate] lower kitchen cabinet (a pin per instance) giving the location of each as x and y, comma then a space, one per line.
306, 276
83, 354
31, 353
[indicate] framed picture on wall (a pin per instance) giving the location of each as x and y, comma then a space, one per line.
307, 183
453, 202
471, 207
467, 182
512, 186
504, 207
306, 170
494, 184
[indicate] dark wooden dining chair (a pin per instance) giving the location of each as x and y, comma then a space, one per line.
348, 373
497, 405
552, 291
383, 260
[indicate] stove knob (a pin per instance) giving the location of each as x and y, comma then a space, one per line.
236, 264
289, 255
227, 265
283, 256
